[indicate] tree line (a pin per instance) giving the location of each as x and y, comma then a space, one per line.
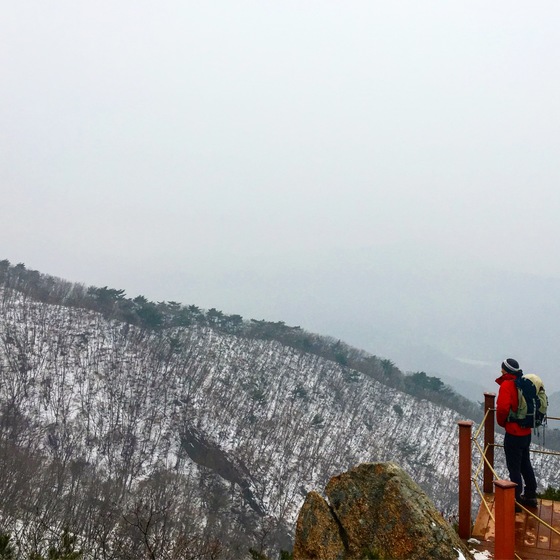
139, 311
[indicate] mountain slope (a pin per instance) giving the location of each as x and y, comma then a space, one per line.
146, 440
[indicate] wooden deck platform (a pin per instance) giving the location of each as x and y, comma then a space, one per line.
533, 540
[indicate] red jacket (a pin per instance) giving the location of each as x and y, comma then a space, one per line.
508, 400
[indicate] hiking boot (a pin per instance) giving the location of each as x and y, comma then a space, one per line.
528, 502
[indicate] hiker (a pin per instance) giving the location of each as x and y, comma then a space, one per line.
517, 438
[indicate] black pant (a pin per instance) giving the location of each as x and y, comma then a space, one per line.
519, 465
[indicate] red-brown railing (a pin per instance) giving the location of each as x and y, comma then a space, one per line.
504, 519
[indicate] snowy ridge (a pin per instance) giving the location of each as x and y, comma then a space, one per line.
270, 422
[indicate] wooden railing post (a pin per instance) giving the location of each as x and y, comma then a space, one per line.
465, 485
488, 478
504, 545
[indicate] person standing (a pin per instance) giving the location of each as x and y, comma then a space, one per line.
517, 438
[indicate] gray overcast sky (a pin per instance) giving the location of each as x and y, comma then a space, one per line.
198, 151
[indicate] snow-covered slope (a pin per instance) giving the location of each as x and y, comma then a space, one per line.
238, 429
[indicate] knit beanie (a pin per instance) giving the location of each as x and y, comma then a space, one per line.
512, 366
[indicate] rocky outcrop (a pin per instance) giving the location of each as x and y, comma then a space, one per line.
374, 511
207, 454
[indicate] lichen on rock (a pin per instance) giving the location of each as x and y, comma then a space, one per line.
374, 511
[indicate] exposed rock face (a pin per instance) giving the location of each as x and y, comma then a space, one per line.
374, 511
208, 454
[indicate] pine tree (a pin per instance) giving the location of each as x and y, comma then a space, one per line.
6, 549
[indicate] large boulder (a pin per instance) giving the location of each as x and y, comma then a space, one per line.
374, 511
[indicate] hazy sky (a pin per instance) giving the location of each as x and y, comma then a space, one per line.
200, 151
